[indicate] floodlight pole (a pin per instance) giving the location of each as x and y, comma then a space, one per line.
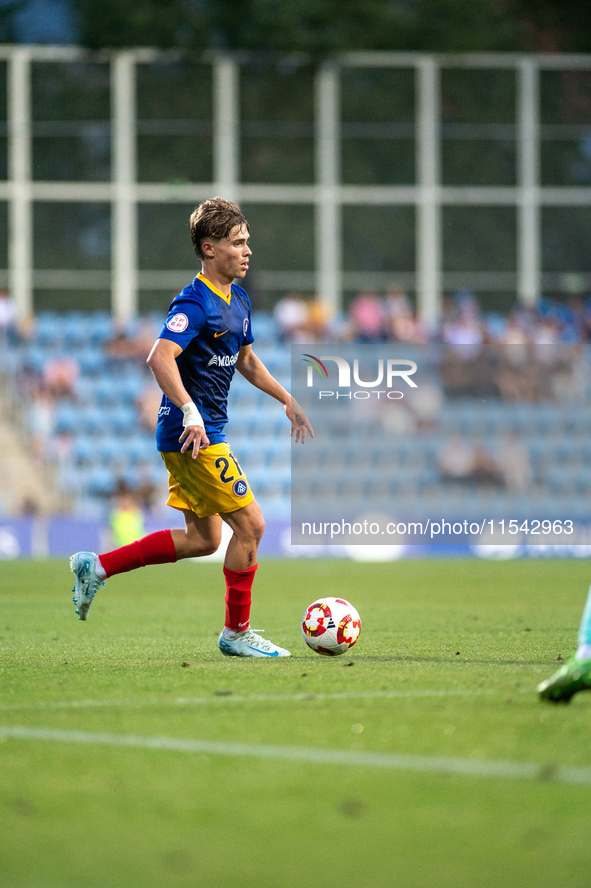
428, 207
528, 201
20, 225
328, 207
124, 286
226, 116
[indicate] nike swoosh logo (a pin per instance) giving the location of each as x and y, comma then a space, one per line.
215, 335
265, 653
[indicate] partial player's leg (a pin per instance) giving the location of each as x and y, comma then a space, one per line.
575, 674
201, 536
237, 638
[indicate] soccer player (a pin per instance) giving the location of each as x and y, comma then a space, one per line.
206, 337
575, 674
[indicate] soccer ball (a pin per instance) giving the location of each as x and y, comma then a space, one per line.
331, 626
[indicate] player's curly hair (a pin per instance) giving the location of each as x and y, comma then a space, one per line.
214, 219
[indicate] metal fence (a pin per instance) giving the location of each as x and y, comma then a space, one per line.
428, 172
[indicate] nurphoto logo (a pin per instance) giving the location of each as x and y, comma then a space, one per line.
388, 370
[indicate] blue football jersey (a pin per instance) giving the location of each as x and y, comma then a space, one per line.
211, 329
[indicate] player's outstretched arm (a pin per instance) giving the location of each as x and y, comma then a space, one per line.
300, 424
162, 363
253, 369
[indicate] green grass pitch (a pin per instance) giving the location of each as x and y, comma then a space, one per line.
447, 664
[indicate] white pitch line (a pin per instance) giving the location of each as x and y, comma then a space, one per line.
431, 764
231, 698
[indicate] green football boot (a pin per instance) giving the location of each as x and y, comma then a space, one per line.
571, 678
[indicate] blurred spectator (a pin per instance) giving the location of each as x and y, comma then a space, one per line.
60, 375
516, 330
368, 318
546, 332
426, 404
469, 371
145, 490
400, 322
126, 518
7, 315
520, 377
514, 372
60, 450
126, 346
291, 316
514, 465
484, 469
120, 346
317, 325
148, 405
461, 460
41, 419
464, 324
29, 506
465, 327
24, 330
456, 458
396, 418
29, 381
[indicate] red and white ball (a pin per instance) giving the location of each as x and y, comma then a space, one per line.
331, 626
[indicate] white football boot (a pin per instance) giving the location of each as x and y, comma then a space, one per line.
87, 581
249, 644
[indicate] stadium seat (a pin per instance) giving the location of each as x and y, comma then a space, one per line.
264, 327
49, 329
67, 417
107, 390
83, 449
132, 383
100, 481
90, 418
122, 418
91, 359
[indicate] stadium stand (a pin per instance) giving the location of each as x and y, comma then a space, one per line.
95, 437
503, 450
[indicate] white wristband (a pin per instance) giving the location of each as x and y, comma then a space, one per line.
191, 416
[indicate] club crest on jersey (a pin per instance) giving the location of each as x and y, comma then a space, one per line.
240, 487
178, 323
222, 360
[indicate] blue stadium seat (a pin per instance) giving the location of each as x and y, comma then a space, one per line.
102, 327
49, 329
108, 449
137, 447
91, 359
85, 388
264, 327
132, 383
83, 449
242, 397
122, 418
67, 417
91, 419
100, 481
32, 355
106, 390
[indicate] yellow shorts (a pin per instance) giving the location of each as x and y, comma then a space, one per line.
208, 485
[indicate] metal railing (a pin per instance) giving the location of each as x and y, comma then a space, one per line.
326, 194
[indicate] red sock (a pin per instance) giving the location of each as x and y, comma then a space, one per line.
156, 548
238, 588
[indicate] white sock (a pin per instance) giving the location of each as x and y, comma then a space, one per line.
100, 569
583, 652
230, 633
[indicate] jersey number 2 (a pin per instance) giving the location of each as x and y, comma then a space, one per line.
224, 463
